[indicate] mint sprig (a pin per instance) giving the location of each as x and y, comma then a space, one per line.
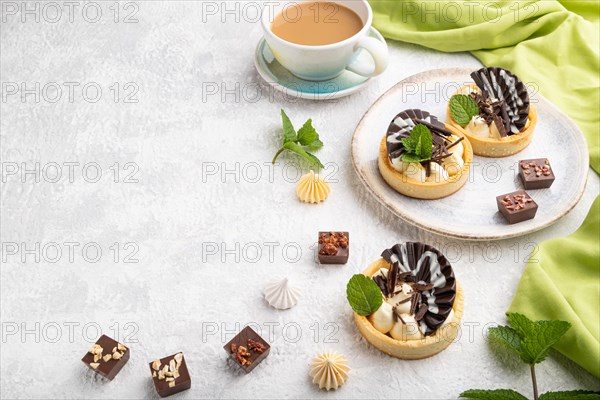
419, 146
363, 295
463, 108
498, 394
532, 341
299, 142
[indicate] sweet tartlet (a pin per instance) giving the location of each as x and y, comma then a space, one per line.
503, 121
422, 302
415, 175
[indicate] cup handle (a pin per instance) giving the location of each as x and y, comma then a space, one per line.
378, 51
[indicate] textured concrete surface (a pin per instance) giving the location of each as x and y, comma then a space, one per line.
196, 204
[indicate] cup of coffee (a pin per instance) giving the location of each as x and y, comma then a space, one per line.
318, 40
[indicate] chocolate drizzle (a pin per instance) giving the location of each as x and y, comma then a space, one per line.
431, 277
503, 99
403, 124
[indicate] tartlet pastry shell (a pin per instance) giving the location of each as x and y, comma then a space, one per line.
411, 349
489, 147
425, 190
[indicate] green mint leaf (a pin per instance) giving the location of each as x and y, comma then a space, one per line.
315, 145
424, 146
296, 148
537, 337
463, 108
315, 161
289, 133
571, 395
498, 394
506, 336
411, 158
363, 295
409, 144
307, 134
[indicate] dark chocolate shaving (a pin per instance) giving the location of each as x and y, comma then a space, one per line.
421, 312
381, 282
422, 286
504, 95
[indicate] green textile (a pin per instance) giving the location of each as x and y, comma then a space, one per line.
550, 44
562, 281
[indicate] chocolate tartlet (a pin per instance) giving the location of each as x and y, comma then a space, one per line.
422, 302
445, 172
506, 119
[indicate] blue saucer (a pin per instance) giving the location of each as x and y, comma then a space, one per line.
283, 80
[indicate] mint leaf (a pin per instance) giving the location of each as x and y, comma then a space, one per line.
315, 145
409, 144
296, 148
307, 138
537, 337
571, 395
499, 394
307, 134
424, 146
289, 133
363, 295
505, 335
419, 146
411, 158
314, 160
463, 108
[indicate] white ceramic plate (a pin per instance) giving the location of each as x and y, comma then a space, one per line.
472, 213
283, 80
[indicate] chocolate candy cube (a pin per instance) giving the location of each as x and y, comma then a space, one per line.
170, 375
536, 173
247, 349
516, 206
106, 357
334, 247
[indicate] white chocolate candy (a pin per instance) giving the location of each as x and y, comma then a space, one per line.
407, 330
383, 319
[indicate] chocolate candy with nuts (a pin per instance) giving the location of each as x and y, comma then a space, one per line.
334, 247
170, 375
247, 349
516, 206
106, 357
536, 173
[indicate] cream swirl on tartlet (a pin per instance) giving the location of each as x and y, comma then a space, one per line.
432, 168
422, 302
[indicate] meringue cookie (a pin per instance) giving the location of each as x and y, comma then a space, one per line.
329, 370
280, 294
311, 188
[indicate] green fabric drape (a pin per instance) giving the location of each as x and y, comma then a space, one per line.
562, 281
